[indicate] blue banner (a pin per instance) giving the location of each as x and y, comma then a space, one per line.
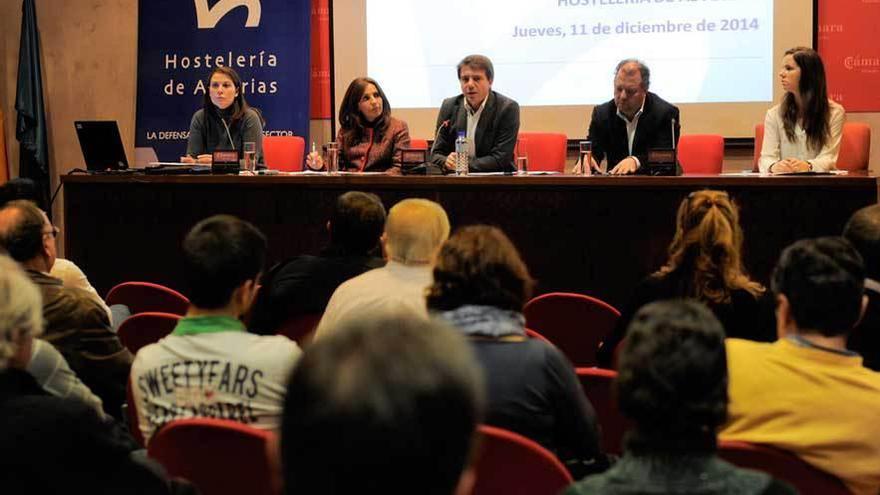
181, 41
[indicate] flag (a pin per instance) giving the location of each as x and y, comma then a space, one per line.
4, 163
30, 127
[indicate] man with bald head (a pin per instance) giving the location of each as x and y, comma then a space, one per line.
414, 231
75, 324
635, 120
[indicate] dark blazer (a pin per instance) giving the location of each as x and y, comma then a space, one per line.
654, 130
495, 135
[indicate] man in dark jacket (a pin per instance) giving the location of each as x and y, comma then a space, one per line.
75, 324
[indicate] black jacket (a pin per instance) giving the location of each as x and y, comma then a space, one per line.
495, 135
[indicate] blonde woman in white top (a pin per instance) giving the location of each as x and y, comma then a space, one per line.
802, 133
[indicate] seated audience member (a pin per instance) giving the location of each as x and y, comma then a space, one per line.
382, 405
802, 133
74, 323
480, 287
806, 393
210, 366
863, 232
673, 386
303, 285
414, 231
60, 444
369, 138
623, 129
64, 269
705, 263
489, 120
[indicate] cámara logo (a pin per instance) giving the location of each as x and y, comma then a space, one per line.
867, 64
208, 18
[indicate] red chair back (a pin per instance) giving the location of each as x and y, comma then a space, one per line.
598, 385
145, 328
575, 323
546, 150
300, 328
782, 465
218, 456
141, 297
535, 335
284, 153
855, 146
701, 153
418, 144
512, 464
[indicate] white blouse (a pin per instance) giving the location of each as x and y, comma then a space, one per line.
777, 146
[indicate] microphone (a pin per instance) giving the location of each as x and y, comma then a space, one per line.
442, 125
673, 134
229, 135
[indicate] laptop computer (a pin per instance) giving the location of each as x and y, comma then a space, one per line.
101, 145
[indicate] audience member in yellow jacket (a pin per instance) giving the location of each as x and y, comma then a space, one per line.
806, 393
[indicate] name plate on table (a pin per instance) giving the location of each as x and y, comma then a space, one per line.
225, 162
662, 162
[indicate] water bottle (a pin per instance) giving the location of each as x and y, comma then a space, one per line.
461, 154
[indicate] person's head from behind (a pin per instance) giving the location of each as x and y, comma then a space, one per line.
632, 78
21, 188
385, 405
707, 246
819, 286
475, 75
364, 103
414, 231
672, 379
357, 222
223, 258
479, 265
21, 315
863, 232
27, 235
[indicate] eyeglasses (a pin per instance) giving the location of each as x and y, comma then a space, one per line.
54, 232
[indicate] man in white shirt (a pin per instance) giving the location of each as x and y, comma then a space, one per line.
210, 366
414, 231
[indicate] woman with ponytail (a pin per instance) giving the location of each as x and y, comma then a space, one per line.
705, 264
802, 133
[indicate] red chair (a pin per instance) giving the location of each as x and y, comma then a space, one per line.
598, 385
219, 456
301, 328
855, 146
284, 153
701, 153
418, 144
512, 464
575, 323
143, 329
535, 335
141, 297
783, 465
546, 150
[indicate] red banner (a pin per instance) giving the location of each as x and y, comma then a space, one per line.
851, 53
321, 106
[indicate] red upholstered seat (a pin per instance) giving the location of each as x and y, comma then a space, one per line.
284, 153
546, 150
783, 465
701, 153
141, 297
142, 329
598, 387
418, 144
575, 323
511, 464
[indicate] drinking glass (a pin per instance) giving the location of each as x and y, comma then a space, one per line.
250, 156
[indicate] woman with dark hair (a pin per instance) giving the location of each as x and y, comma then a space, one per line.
225, 122
480, 287
705, 264
369, 138
673, 386
802, 133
